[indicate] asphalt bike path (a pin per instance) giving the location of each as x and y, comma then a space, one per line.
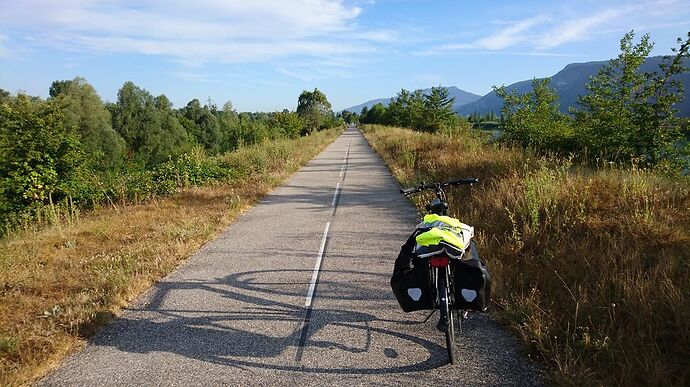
296, 292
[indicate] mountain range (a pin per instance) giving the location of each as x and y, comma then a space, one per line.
568, 83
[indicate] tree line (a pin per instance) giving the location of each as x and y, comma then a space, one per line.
627, 115
73, 146
431, 112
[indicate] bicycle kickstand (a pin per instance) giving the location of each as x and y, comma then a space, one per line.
429, 316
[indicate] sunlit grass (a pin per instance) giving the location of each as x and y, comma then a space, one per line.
59, 284
591, 267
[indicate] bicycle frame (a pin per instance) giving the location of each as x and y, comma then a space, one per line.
441, 269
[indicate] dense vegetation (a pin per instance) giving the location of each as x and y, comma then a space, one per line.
488, 121
590, 266
627, 116
72, 150
431, 112
590, 260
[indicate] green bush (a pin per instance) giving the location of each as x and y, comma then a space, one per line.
534, 120
39, 155
190, 169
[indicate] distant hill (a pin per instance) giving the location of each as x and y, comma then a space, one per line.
569, 83
462, 97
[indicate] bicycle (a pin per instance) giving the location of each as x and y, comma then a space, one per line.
441, 254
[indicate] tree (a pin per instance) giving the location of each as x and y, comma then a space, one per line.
152, 132
416, 110
4, 95
628, 114
313, 107
433, 112
349, 117
60, 87
438, 110
406, 109
177, 139
534, 120
83, 109
398, 109
363, 115
288, 123
203, 125
376, 115
474, 118
229, 122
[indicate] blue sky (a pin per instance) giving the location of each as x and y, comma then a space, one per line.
260, 54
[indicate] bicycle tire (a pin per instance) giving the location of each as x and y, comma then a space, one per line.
449, 314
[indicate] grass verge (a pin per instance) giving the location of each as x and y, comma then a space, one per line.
591, 267
59, 285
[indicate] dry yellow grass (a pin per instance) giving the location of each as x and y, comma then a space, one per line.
591, 267
58, 285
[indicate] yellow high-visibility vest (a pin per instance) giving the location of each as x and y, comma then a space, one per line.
444, 229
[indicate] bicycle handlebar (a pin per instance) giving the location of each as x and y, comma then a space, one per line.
422, 187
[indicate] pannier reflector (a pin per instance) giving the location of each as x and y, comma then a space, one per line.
439, 261
468, 294
414, 293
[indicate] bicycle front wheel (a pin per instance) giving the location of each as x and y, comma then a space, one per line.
449, 314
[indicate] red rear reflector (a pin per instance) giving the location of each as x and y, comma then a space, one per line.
439, 261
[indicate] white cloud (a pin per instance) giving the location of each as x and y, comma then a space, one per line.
578, 29
661, 26
458, 46
517, 32
511, 35
314, 70
293, 74
655, 14
550, 29
195, 31
474, 51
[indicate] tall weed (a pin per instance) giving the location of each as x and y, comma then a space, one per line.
61, 281
590, 266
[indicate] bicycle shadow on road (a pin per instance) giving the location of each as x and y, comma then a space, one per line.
252, 332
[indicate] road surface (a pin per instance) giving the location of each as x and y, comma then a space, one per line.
296, 292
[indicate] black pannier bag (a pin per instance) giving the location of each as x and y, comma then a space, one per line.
412, 287
472, 281
411, 282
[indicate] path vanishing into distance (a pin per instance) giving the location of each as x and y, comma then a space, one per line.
296, 292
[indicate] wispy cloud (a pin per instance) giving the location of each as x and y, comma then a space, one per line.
474, 51
511, 35
294, 74
316, 70
536, 35
579, 28
647, 15
196, 32
661, 26
515, 33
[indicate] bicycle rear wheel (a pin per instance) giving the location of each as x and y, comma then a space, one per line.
449, 314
